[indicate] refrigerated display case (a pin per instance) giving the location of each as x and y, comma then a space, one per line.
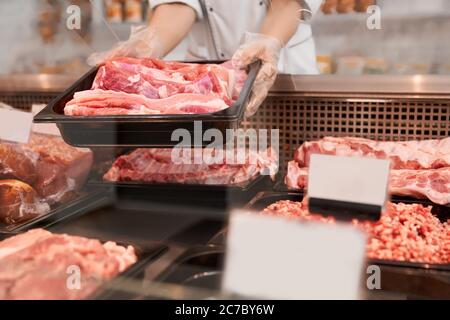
188, 238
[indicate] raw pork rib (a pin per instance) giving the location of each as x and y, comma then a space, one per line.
427, 154
433, 184
156, 165
125, 86
100, 102
405, 232
34, 265
419, 169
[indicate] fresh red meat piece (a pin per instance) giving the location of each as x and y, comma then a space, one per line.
34, 265
419, 169
156, 165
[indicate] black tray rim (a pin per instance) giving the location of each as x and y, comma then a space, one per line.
146, 254
242, 186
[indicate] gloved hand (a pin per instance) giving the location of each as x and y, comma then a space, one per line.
142, 43
267, 49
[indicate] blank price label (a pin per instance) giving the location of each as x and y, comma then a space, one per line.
276, 258
15, 125
348, 185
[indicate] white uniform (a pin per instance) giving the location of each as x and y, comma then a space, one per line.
221, 25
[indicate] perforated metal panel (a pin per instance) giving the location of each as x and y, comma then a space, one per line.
300, 119
24, 100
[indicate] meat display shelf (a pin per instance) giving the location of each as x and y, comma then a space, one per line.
88, 200
220, 197
264, 199
140, 130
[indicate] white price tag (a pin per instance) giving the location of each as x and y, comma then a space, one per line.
15, 125
348, 184
45, 128
275, 258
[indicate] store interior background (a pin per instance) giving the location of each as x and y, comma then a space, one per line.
413, 39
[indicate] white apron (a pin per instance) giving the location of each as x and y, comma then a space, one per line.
221, 24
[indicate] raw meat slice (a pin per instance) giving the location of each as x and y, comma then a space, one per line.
35, 265
427, 154
156, 165
296, 177
405, 232
161, 79
433, 184
100, 102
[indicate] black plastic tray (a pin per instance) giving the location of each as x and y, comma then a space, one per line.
195, 195
138, 130
264, 199
200, 267
136, 272
86, 201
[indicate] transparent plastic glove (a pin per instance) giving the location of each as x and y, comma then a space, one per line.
267, 49
142, 43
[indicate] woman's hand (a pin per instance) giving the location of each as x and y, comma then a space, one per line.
143, 42
346, 6
264, 48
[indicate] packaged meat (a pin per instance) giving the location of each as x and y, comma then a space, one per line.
53, 168
18, 162
61, 169
160, 166
19, 202
419, 169
29, 270
405, 232
130, 86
